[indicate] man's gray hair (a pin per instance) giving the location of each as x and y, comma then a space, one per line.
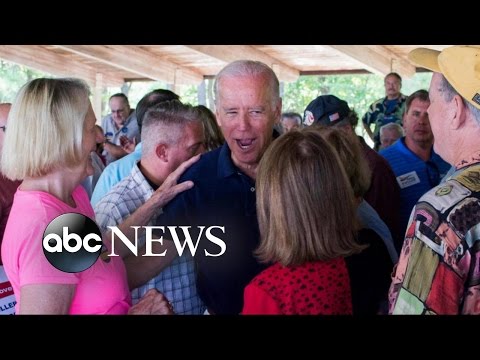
448, 92
165, 123
392, 126
241, 68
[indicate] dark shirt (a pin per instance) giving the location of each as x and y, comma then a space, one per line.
222, 196
384, 192
369, 273
8, 189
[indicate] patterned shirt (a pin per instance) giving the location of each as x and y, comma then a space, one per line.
438, 270
177, 281
382, 112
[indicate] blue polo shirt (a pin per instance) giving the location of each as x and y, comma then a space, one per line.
222, 196
414, 176
114, 173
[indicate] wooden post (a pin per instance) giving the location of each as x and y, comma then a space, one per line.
97, 97
201, 93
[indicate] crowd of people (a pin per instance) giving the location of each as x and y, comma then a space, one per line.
309, 218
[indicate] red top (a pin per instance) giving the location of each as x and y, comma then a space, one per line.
314, 288
9, 188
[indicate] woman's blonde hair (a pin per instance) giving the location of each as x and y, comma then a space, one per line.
45, 127
305, 204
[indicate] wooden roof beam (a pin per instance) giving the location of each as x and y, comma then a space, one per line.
137, 61
39, 58
376, 59
239, 52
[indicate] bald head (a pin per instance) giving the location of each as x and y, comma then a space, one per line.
4, 110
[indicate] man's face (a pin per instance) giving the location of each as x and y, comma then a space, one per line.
289, 124
246, 112
388, 138
416, 123
392, 87
120, 110
192, 143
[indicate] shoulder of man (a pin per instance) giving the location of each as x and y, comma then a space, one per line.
204, 169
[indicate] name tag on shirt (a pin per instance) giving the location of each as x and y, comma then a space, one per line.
408, 179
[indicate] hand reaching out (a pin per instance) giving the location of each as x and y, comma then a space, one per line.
170, 188
152, 303
127, 144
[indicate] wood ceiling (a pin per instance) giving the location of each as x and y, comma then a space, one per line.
112, 65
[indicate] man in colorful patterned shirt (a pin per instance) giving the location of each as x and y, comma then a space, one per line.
438, 270
387, 110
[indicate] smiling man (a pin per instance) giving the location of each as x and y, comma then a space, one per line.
247, 105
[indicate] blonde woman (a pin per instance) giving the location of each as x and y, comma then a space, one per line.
51, 134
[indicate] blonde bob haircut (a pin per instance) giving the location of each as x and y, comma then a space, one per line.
45, 127
305, 204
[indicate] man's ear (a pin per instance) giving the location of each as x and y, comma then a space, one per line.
162, 152
460, 113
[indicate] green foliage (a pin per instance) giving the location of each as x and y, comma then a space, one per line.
358, 90
136, 90
13, 77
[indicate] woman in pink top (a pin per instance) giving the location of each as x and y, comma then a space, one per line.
50, 136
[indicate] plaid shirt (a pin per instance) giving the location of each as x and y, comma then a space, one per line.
177, 281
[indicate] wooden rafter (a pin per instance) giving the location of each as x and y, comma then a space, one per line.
238, 52
376, 59
137, 61
41, 59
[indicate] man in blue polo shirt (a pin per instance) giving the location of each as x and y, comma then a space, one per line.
119, 125
247, 105
417, 167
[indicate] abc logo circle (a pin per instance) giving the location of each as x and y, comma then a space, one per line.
72, 242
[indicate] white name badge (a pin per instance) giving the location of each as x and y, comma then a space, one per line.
408, 179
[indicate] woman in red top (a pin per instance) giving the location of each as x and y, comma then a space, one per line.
306, 213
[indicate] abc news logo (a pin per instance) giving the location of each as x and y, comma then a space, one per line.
79, 236
73, 242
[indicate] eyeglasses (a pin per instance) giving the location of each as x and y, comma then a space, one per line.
4, 127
